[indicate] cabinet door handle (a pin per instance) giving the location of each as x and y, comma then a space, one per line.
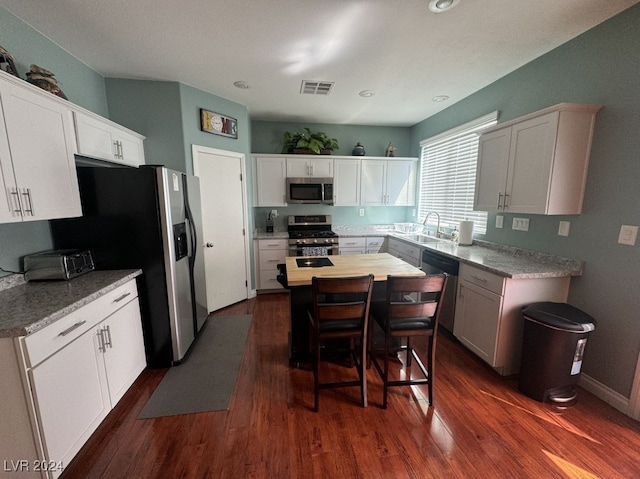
72, 328
27, 195
107, 342
120, 298
478, 278
101, 346
504, 203
118, 145
14, 191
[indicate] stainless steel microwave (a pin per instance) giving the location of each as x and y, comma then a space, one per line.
310, 191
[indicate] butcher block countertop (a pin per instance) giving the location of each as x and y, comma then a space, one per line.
380, 265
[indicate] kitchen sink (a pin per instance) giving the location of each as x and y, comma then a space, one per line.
422, 238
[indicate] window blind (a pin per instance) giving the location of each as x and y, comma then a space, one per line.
448, 174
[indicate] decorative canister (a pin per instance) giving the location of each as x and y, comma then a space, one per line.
358, 150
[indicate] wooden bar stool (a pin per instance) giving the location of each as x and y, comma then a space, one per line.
340, 311
411, 309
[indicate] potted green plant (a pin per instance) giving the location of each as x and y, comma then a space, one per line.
307, 142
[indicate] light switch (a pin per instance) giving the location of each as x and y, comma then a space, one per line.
563, 228
499, 221
628, 235
361, 211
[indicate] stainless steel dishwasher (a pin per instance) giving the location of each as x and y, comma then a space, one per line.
435, 263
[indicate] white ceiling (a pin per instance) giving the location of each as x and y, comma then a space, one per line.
396, 48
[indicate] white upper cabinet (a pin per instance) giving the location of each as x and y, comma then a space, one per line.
346, 182
316, 166
357, 181
101, 138
37, 146
536, 164
388, 182
270, 180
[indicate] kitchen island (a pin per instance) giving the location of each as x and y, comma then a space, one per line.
298, 279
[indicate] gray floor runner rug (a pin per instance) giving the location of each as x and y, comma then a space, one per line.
206, 379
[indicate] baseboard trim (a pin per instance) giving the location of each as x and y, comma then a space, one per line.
605, 393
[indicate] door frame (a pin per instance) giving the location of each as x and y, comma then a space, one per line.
634, 399
195, 149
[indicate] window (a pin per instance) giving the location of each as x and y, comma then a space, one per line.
448, 175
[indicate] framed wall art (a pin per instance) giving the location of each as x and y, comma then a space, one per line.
218, 124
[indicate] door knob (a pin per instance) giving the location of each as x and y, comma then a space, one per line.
209, 245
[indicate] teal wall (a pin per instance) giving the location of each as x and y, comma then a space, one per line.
152, 109
80, 84
601, 66
266, 137
192, 100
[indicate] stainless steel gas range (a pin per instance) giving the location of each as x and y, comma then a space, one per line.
311, 235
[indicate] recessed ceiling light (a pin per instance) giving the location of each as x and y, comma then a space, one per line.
439, 6
242, 85
366, 93
440, 98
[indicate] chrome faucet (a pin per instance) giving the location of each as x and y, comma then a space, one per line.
426, 218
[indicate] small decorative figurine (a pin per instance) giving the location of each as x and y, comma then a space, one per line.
358, 150
44, 79
390, 151
7, 62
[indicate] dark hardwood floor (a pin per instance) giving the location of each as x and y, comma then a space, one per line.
480, 425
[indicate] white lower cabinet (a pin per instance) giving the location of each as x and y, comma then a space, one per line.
74, 372
360, 245
374, 244
488, 315
72, 397
352, 245
405, 251
270, 253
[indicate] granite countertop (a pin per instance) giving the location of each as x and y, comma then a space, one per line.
29, 306
503, 260
279, 233
508, 261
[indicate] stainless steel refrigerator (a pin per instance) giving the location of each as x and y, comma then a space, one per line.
148, 218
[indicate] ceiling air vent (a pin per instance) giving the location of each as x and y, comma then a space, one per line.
316, 87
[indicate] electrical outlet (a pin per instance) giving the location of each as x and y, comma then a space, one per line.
499, 221
520, 224
628, 235
274, 213
563, 228
361, 211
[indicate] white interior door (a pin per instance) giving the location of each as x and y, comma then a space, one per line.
224, 218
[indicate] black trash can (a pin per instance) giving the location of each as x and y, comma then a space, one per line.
554, 340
